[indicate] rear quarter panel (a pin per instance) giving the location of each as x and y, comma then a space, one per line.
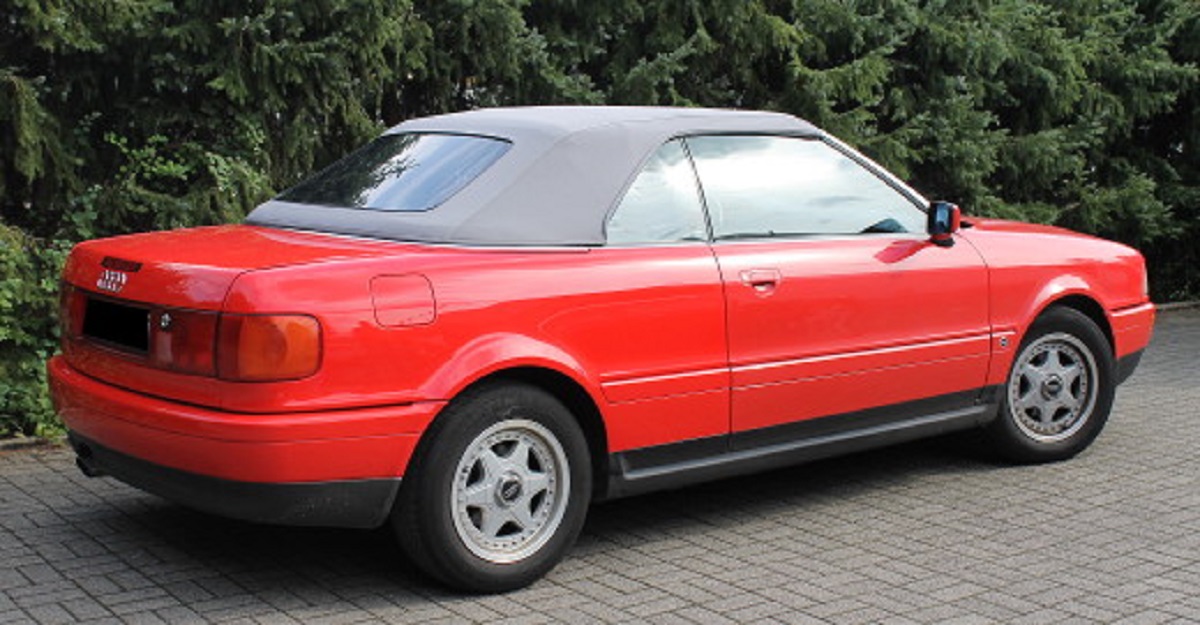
641, 330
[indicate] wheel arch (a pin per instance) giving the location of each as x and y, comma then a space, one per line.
578, 401
1089, 307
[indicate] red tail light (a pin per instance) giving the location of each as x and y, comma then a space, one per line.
256, 348
184, 340
72, 303
235, 347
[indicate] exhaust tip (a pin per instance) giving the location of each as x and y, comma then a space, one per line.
87, 469
84, 460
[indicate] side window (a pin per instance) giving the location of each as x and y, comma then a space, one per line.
663, 203
758, 186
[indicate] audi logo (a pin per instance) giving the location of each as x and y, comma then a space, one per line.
111, 281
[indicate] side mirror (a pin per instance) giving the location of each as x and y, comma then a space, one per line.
944, 220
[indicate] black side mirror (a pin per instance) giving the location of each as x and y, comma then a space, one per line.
944, 220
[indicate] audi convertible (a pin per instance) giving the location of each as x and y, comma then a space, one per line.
480, 323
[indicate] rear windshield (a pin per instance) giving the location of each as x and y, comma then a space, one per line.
401, 172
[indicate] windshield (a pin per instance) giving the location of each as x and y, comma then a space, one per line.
400, 172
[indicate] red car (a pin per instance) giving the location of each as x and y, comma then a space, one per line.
479, 323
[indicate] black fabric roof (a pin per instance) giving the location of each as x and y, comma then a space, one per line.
567, 167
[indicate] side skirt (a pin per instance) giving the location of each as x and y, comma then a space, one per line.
679, 464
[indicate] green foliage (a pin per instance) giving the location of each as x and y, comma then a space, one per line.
28, 331
127, 115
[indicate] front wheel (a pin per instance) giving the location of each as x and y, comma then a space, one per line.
1059, 391
498, 492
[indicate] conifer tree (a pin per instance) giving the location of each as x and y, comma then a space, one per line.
128, 115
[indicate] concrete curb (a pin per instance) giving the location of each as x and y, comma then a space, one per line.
30, 442
1170, 306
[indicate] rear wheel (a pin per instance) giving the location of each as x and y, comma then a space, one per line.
1059, 391
498, 492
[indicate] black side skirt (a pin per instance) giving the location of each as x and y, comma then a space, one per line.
346, 503
698, 460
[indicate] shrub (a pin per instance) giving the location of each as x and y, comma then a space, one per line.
29, 271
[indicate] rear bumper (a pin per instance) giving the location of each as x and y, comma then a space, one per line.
296, 468
342, 503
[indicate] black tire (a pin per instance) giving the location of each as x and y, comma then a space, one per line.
477, 517
1059, 391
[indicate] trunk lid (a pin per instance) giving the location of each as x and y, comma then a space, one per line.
130, 300
194, 268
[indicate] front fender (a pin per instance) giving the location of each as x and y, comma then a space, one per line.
1010, 331
1055, 290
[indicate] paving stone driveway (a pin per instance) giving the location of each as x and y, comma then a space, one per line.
924, 533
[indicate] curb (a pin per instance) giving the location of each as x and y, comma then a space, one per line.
14, 444
1170, 306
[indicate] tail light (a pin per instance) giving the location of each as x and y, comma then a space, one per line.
72, 303
234, 347
256, 348
184, 341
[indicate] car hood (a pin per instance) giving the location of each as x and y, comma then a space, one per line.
985, 224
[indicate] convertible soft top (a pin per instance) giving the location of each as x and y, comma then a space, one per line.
566, 169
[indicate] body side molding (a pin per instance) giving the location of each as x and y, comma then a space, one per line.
678, 464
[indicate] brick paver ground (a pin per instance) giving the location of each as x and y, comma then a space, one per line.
925, 533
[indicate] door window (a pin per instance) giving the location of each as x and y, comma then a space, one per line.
663, 203
758, 186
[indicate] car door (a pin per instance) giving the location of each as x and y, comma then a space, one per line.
836, 301
658, 340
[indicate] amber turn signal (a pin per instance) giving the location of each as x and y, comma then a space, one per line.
259, 348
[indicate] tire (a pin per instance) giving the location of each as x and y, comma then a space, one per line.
497, 490
1059, 391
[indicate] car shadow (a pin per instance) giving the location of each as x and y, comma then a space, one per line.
203, 558
761, 493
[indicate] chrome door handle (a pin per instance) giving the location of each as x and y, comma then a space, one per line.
761, 279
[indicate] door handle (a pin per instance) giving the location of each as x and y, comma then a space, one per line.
761, 280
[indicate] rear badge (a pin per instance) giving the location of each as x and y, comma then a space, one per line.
111, 281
